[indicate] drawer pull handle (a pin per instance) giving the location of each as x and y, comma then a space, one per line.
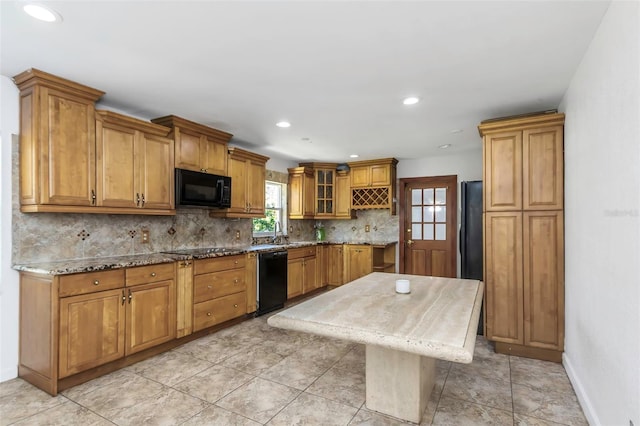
208, 314
96, 282
235, 305
123, 298
130, 296
153, 274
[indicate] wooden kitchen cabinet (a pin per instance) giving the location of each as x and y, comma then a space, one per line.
343, 208
197, 147
302, 274
384, 257
57, 143
134, 163
219, 290
523, 234
247, 171
373, 184
252, 282
335, 264
358, 261
184, 298
301, 190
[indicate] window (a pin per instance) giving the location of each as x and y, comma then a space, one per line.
275, 210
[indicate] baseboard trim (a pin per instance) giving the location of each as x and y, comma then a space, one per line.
583, 398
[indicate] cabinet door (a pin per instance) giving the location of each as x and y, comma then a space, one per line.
503, 277
296, 195
295, 277
215, 161
324, 193
503, 171
359, 261
310, 280
184, 296
544, 279
92, 330
343, 197
117, 169
381, 175
542, 165
68, 142
238, 173
335, 265
360, 176
188, 151
252, 282
255, 187
156, 172
151, 315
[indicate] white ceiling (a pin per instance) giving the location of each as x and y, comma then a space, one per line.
337, 70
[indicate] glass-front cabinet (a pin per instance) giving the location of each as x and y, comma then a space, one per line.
325, 192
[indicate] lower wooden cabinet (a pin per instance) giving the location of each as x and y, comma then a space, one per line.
335, 265
252, 282
358, 261
302, 276
184, 298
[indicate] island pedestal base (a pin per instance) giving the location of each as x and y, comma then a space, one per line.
398, 384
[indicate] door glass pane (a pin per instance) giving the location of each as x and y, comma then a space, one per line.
441, 214
416, 197
329, 177
428, 214
321, 192
416, 231
329, 191
428, 196
428, 231
441, 195
320, 176
320, 206
416, 214
329, 206
441, 231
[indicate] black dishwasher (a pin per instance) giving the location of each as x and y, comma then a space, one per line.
272, 281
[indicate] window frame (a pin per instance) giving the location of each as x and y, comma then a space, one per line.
283, 211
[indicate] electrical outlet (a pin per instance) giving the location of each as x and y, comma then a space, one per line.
145, 236
367, 228
237, 235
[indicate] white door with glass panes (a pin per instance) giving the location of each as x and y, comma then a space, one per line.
428, 226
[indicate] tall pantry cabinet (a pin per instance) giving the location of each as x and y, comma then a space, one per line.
524, 234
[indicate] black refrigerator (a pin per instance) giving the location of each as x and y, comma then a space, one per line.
471, 233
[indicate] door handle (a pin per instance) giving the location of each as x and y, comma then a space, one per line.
409, 242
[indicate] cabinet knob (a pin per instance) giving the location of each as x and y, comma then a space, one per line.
153, 274
209, 287
208, 314
235, 261
96, 282
235, 305
236, 281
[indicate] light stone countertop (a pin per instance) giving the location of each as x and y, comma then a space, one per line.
438, 319
74, 266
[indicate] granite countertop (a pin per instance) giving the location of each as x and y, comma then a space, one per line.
437, 319
64, 267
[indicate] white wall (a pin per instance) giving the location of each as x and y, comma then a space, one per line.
602, 205
9, 124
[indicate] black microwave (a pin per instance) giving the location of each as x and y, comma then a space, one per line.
196, 189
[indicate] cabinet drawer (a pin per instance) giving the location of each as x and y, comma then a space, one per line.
90, 282
299, 252
150, 274
203, 266
218, 284
219, 310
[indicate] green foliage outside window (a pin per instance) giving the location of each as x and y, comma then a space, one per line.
266, 224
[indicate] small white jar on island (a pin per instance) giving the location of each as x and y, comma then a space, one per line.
403, 286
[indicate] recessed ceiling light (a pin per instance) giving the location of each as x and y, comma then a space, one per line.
354, 156
411, 100
283, 124
445, 146
41, 12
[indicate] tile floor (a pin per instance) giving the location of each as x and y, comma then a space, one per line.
253, 374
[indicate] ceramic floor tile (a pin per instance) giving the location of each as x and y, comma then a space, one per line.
66, 414
253, 361
170, 367
365, 417
297, 373
560, 407
522, 420
541, 375
322, 355
313, 410
455, 412
216, 416
117, 377
354, 360
124, 391
12, 386
213, 349
213, 383
485, 366
258, 399
345, 387
169, 407
23, 400
481, 390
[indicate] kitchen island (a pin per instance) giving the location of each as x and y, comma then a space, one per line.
404, 334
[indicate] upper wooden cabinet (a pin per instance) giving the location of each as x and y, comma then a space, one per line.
373, 184
523, 163
57, 142
342, 195
197, 147
134, 163
247, 171
301, 193
323, 197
